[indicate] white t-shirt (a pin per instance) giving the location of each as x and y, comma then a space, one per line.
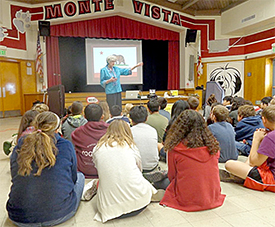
122, 188
146, 139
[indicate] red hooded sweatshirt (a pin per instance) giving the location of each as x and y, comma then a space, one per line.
85, 139
194, 177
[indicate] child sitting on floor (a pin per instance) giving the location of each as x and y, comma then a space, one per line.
122, 190
245, 128
259, 170
46, 187
25, 128
74, 121
193, 154
224, 133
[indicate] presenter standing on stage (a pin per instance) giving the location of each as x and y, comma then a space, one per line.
110, 80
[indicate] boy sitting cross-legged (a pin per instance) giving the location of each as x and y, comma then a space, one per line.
86, 137
146, 139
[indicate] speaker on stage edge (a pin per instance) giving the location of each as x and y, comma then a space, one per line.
44, 28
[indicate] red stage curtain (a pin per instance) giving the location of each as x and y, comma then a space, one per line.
53, 63
113, 28
173, 65
117, 27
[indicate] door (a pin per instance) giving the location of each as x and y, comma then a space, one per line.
273, 78
10, 89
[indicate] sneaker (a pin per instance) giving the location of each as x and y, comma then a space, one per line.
229, 177
158, 196
89, 190
155, 176
7, 147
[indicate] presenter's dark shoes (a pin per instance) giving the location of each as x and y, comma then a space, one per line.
89, 190
155, 176
229, 177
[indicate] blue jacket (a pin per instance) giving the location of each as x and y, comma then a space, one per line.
50, 196
246, 128
106, 74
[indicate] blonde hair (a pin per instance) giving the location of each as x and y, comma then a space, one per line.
272, 102
40, 107
106, 110
269, 113
118, 131
39, 146
127, 109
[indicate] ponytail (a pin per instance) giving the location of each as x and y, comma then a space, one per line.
39, 146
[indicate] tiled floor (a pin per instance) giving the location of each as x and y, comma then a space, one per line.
242, 207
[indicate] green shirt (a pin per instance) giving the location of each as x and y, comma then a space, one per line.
158, 122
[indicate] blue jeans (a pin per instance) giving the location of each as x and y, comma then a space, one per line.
78, 188
243, 148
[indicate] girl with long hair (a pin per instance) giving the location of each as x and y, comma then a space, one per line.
177, 108
193, 154
25, 126
46, 187
122, 190
106, 110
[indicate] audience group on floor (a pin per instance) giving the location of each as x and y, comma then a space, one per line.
120, 152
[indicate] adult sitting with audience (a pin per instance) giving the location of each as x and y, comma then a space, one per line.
86, 137
74, 121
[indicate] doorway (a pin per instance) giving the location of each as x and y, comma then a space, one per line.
10, 93
273, 77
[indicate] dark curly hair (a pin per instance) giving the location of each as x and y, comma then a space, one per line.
190, 129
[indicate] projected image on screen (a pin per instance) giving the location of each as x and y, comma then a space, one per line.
128, 54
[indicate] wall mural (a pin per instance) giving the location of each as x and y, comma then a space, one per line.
3, 33
229, 75
22, 21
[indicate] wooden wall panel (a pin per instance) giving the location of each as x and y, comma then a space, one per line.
254, 85
28, 81
268, 76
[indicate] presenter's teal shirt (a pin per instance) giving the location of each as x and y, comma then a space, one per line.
106, 74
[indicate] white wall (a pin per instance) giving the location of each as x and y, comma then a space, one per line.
261, 13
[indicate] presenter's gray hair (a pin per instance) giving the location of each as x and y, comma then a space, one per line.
111, 58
